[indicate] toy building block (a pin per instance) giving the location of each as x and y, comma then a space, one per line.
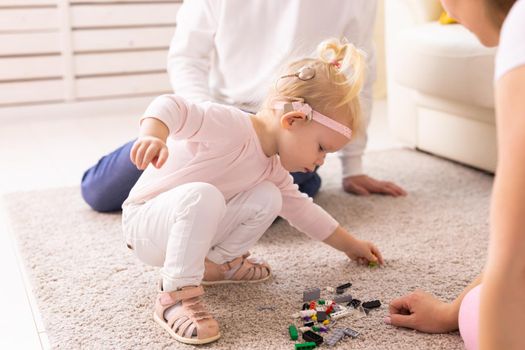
341, 289
354, 303
266, 308
343, 298
308, 324
293, 332
358, 313
350, 332
371, 304
321, 316
307, 313
305, 346
340, 314
335, 336
311, 294
310, 336
330, 289
306, 306
337, 307
304, 329
373, 264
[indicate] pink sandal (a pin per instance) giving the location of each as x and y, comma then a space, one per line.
239, 270
191, 323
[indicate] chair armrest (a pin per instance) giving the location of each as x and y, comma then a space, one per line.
403, 14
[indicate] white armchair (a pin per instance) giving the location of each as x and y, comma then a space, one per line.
440, 85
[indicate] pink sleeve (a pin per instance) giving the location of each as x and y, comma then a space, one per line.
204, 122
301, 212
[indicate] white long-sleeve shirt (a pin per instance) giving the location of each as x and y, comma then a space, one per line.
217, 144
230, 51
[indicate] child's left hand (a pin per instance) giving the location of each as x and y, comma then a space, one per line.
364, 252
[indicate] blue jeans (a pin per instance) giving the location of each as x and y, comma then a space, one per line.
107, 184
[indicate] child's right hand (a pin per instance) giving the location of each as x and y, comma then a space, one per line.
149, 149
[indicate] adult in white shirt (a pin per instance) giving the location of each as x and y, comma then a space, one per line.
229, 52
490, 313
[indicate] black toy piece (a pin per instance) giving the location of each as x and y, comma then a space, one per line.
354, 303
311, 336
341, 289
371, 304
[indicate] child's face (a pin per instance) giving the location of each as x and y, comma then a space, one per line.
304, 144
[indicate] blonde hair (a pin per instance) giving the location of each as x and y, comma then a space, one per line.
339, 76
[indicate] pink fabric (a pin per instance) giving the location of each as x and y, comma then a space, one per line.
318, 117
469, 318
217, 144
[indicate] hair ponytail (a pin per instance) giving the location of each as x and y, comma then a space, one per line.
333, 89
344, 57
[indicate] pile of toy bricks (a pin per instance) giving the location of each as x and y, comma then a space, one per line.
320, 315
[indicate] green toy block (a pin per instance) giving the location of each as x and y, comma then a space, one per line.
293, 332
305, 346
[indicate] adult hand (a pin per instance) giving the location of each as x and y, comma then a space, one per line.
148, 149
365, 185
422, 311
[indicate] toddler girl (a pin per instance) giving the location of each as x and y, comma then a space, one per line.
220, 177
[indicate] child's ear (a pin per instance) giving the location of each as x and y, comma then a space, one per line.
288, 120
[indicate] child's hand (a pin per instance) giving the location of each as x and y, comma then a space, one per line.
364, 252
149, 149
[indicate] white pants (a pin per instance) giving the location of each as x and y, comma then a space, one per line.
180, 227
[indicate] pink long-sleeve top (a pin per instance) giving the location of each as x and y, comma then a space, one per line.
217, 144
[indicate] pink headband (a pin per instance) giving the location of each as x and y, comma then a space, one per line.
314, 115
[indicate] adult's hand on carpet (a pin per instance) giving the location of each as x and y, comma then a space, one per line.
364, 185
422, 311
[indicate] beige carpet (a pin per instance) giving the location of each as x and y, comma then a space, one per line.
93, 294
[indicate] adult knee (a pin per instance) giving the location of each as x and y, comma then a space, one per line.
95, 195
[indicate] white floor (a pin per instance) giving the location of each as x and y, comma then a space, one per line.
54, 152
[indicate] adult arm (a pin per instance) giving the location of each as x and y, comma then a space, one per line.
424, 312
354, 179
502, 310
191, 47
